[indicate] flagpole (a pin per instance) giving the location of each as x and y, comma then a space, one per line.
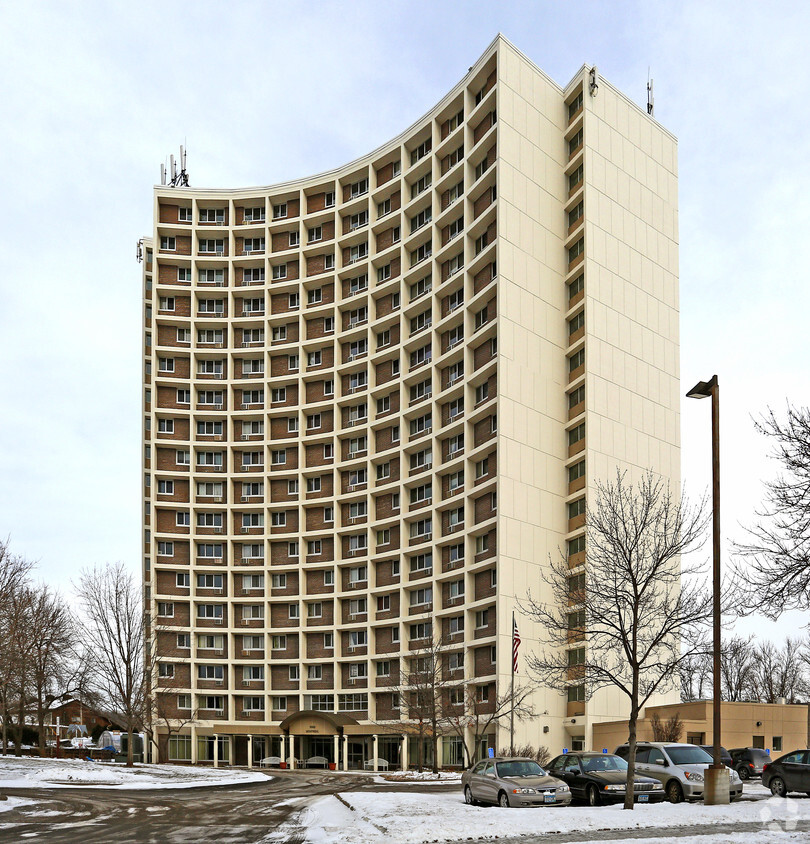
512, 694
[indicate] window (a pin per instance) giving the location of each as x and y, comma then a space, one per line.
329, 387
278, 643
165, 549
314, 546
383, 603
168, 244
313, 421
280, 271
421, 253
577, 545
482, 544
357, 221
213, 550
456, 552
576, 212
293, 674
209, 520
358, 188
328, 515
576, 693
481, 243
280, 211
482, 468
576, 434
165, 609
455, 444
422, 355
481, 619
328, 641
424, 492
314, 672
279, 332
358, 252
575, 179
455, 336
422, 630
421, 185
421, 219
421, 597
455, 481
456, 407
421, 321
358, 509
455, 193
575, 105
165, 488
455, 228
278, 703
456, 516
184, 397
383, 208
422, 562
293, 611
358, 606
576, 360
315, 234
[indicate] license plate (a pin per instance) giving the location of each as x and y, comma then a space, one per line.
644, 798
549, 798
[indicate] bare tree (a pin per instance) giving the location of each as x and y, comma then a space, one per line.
669, 730
163, 712
631, 613
778, 548
14, 574
476, 716
777, 672
695, 673
424, 691
737, 669
52, 638
114, 630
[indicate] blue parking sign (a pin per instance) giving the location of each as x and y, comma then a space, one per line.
491, 752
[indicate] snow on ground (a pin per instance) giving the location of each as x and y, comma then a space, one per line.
422, 777
33, 772
13, 803
409, 818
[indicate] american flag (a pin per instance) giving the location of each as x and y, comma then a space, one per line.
515, 645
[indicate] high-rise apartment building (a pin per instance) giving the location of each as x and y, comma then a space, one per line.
376, 400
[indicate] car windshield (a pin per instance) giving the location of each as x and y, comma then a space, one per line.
604, 763
688, 755
519, 768
756, 753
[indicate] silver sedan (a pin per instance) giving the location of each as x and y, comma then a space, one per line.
513, 782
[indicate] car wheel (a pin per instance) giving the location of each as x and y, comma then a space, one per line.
593, 795
503, 800
744, 773
674, 792
468, 798
778, 787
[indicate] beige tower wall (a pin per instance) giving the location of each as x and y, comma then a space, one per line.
531, 365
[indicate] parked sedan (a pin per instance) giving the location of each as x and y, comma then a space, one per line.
602, 778
790, 772
513, 782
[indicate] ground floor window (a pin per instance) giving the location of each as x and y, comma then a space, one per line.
577, 743
453, 751
777, 744
180, 748
205, 748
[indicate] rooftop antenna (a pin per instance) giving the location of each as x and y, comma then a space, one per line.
176, 178
593, 85
650, 97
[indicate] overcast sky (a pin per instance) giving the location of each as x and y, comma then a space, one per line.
97, 94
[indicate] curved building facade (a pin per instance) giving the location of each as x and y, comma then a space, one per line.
374, 403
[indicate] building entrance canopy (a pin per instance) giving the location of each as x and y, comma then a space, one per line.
310, 722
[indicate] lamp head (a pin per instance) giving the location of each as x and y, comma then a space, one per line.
703, 389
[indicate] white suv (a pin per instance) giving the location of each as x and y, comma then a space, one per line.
679, 767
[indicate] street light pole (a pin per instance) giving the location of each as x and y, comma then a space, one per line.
716, 787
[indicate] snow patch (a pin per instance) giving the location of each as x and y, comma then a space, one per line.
409, 818
35, 772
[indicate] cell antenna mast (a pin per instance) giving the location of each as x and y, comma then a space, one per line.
650, 98
176, 178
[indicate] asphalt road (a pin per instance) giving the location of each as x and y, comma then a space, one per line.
218, 815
